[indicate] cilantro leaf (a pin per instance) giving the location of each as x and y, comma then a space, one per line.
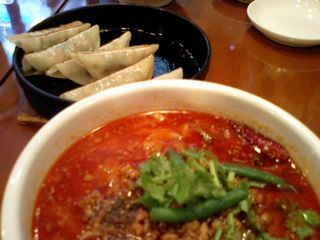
183, 179
303, 222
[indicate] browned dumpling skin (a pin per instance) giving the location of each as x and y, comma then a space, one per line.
40, 40
74, 71
174, 74
101, 63
40, 62
140, 71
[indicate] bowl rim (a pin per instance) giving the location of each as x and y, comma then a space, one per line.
10, 204
24, 79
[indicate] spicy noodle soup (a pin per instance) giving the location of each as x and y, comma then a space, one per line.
175, 175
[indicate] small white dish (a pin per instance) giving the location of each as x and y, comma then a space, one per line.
290, 22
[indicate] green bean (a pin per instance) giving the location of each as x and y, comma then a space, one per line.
252, 173
202, 210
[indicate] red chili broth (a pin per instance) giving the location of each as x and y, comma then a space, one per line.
95, 162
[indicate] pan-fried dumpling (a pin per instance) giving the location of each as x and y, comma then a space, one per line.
118, 43
140, 71
175, 74
43, 60
74, 71
101, 63
40, 40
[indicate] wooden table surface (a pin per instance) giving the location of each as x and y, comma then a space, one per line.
241, 57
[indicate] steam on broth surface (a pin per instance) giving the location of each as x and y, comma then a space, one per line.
175, 175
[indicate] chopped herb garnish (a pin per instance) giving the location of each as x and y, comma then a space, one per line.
170, 179
303, 222
195, 185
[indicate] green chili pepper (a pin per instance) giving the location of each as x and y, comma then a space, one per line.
252, 173
201, 210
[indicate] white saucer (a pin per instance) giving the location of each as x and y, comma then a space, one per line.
290, 22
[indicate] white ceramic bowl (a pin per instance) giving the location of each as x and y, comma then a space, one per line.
290, 22
86, 115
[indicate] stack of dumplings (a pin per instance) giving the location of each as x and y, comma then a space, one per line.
73, 51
